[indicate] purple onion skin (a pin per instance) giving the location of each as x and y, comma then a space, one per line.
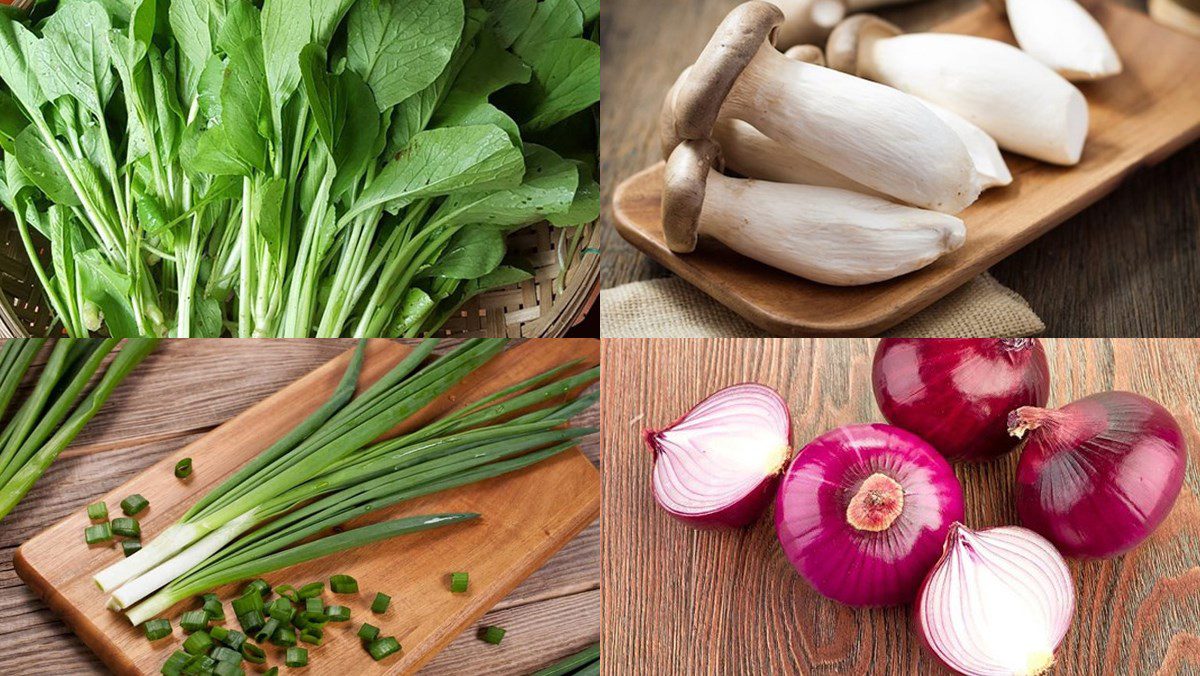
957, 393
857, 567
1098, 475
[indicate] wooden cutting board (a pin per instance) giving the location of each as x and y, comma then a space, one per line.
1137, 119
526, 517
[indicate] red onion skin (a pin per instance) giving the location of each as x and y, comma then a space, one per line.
741, 513
857, 567
1099, 475
957, 393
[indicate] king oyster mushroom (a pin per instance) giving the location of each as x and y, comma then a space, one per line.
807, 21
1062, 35
1020, 102
1182, 15
828, 235
869, 133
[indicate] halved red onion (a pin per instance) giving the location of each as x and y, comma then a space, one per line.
1098, 475
957, 393
719, 464
998, 601
863, 511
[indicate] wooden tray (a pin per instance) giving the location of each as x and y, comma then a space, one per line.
527, 516
1137, 119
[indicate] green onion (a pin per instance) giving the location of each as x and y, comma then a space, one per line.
130, 547
200, 665
101, 532
228, 668
288, 592
380, 604
267, 630
245, 604
310, 590
183, 468
212, 607
273, 671
338, 613
459, 582
234, 638
194, 620
282, 610
343, 584
98, 511
219, 634
493, 635
260, 587
312, 635
284, 637
175, 663
126, 527
222, 654
157, 628
198, 643
571, 664
134, 504
253, 654
368, 632
251, 621
314, 605
296, 657
382, 647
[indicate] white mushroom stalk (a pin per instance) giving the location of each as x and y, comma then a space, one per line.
807, 21
1064, 36
1019, 101
1182, 15
871, 134
827, 235
989, 163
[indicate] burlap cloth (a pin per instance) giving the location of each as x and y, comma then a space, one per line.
672, 308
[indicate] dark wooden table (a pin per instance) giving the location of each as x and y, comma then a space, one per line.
188, 387
683, 601
1127, 266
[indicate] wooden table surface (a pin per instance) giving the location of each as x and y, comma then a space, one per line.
1127, 266
184, 389
679, 600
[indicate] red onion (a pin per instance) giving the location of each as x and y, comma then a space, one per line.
956, 394
863, 511
998, 601
719, 464
1097, 476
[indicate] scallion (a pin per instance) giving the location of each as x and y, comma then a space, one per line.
368, 632
382, 647
254, 654
98, 511
246, 603
310, 590
101, 532
193, 620
312, 636
338, 613
282, 610
251, 621
296, 657
234, 638
175, 663
493, 635
380, 604
288, 592
284, 637
198, 643
343, 584
212, 607
134, 504
259, 587
157, 628
130, 547
126, 527
222, 654
183, 468
267, 630
273, 671
228, 668
459, 582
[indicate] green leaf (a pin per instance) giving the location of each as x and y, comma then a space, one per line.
590, 9
268, 206
585, 208
415, 306
399, 47
553, 20
566, 80
207, 315
17, 47
347, 121
73, 56
444, 161
490, 69
244, 105
464, 110
509, 18
12, 121
548, 188
287, 26
43, 169
471, 253
109, 290
195, 24
502, 276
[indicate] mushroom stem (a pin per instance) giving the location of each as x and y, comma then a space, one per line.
1065, 37
827, 235
807, 21
1022, 104
1176, 14
989, 163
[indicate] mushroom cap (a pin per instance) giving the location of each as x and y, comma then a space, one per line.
842, 49
806, 53
668, 137
732, 47
685, 182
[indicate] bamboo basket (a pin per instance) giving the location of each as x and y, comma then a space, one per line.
564, 286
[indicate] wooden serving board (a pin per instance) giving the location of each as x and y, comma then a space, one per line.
1137, 119
526, 517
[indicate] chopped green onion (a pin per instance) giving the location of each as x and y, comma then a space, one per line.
234, 638
343, 584
296, 657
338, 613
273, 671
228, 668
212, 607
200, 666
288, 592
126, 527
259, 586
312, 635
251, 621
459, 582
175, 663
380, 604
267, 630
246, 603
382, 647
284, 637
282, 610
311, 590
311, 619
219, 634
313, 606
130, 547
194, 620
222, 654
368, 632
183, 468
101, 532
198, 643
253, 654
157, 628
98, 511
493, 635
134, 504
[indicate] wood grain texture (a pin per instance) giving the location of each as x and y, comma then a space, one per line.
35, 641
1130, 265
678, 600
